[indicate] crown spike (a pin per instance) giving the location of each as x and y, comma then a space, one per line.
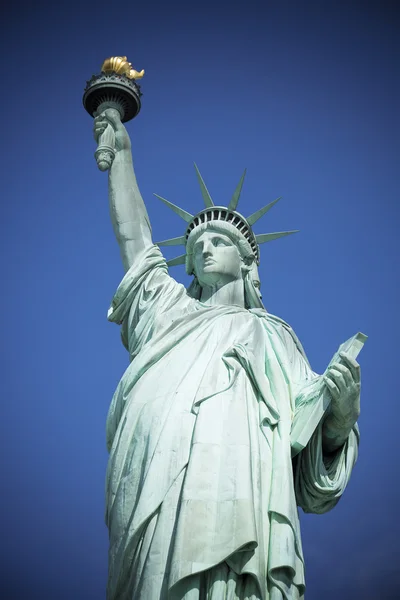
236, 194
204, 191
268, 237
259, 213
179, 260
173, 241
179, 211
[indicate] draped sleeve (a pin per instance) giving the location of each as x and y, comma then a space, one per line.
143, 298
319, 478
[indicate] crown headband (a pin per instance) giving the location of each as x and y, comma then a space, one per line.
223, 214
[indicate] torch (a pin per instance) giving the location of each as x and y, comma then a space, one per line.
114, 88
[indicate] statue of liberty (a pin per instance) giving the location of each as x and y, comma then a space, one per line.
205, 475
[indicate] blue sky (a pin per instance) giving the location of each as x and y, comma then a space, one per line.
303, 94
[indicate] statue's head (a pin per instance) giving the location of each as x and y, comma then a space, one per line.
221, 246
216, 255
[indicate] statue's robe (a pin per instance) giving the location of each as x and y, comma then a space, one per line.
202, 492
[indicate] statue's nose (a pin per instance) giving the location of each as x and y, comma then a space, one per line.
207, 249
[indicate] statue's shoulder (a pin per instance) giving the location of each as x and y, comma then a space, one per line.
277, 321
283, 329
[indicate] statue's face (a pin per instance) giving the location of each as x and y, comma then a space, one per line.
216, 259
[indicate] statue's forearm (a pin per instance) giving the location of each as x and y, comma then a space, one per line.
128, 212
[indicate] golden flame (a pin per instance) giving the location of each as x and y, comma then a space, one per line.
120, 64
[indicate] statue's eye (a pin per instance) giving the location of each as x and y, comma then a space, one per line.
220, 242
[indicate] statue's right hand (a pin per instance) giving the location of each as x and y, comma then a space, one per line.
112, 117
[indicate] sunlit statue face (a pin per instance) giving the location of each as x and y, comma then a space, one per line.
216, 259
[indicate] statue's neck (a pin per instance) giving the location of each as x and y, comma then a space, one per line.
231, 293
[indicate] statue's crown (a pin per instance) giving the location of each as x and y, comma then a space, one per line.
226, 215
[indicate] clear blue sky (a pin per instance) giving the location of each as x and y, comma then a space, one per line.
303, 94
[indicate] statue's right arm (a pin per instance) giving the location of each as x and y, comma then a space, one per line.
128, 212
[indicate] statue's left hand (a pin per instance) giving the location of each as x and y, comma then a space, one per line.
343, 382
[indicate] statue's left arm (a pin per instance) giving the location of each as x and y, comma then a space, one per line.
323, 467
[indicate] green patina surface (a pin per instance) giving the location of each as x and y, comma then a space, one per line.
219, 429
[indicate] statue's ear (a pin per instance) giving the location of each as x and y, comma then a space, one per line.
247, 259
248, 263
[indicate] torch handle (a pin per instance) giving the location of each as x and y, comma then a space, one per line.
105, 152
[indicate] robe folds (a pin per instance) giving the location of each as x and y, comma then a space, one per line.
201, 489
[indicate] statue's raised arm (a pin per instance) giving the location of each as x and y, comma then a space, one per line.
128, 212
